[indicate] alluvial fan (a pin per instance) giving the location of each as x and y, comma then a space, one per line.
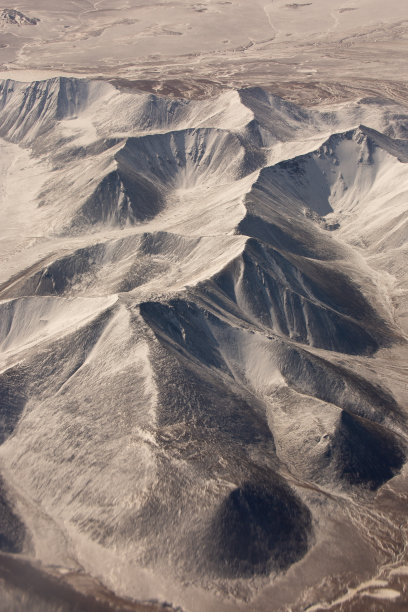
203, 332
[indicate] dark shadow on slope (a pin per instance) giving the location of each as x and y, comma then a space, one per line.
202, 412
51, 368
295, 184
314, 376
182, 325
255, 156
56, 277
275, 292
31, 110
112, 266
200, 405
119, 199
47, 368
281, 118
337, 290
12, 400
72, 152
12, 530
292, 235
259, 528
305, 183
149, 168
365, 453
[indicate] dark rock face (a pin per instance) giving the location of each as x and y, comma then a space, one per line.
259, 528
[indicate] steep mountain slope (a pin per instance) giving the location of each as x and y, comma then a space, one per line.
197, 334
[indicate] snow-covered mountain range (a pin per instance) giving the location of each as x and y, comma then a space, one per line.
203, 332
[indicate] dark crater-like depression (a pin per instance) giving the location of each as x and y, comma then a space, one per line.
258, 529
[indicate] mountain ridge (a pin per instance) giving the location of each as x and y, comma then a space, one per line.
197, 341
